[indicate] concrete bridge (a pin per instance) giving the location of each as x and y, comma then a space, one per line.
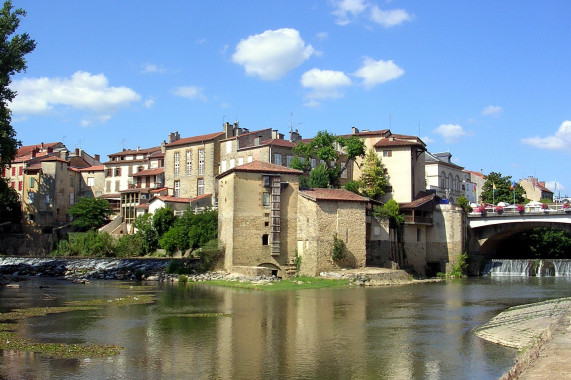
486, 232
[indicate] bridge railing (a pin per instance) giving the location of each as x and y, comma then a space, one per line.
512, 211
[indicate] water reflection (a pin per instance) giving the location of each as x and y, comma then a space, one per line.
421, 331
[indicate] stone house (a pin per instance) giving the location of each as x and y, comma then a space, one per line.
121, 167
191, 163
323, 216
535, 189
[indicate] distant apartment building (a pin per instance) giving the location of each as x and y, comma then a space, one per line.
478, 180
448, 180
535, 189
48, 179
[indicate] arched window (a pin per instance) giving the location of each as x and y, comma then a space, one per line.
457, 183
442, 180
450, 182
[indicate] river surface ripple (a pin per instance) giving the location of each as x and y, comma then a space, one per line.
422, 331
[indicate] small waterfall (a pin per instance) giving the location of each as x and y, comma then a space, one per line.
541, 268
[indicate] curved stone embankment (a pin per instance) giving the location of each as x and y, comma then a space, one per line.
543, 329
374, 276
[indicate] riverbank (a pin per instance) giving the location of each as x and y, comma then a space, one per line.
542, 333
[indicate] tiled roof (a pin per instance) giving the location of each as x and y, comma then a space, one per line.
390, 141
143, 205
52, 158
332, 195
113, 195
123, 162
246, 134
158, 190
27, 149
543, 188
279, 142
96, 168
261, 167
170, 198
381, 132
195, 139
200, 197
477, 174
128, 152
146, 172
417, 202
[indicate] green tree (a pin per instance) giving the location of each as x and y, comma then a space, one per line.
13, 48
503, 190
10, 209
319, 177
390, 211
146, 233
163, 220
327, 148
463, 202
90, 213
373, 182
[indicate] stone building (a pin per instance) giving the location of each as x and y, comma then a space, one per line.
191, 163
535, 189
121, 167
325, 215
447, 179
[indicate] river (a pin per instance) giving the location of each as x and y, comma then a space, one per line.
422, 331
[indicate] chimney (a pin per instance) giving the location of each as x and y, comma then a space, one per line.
228, 130
275, 134
64, 154
173, 136
97, 157
34, 153
294, 136
163, 146
542, 183
138, 148
354, 130
42, 146
257, 140
77, 152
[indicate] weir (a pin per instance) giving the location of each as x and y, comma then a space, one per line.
539, 268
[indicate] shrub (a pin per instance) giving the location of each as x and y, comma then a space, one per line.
461, 267
390, 210
174, 239
463, 202
209, 255
128, 246
182, 279
338, 252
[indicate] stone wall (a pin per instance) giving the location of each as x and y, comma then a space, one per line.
446, 238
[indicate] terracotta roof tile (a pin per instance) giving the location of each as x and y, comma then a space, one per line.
261, 167
200, 197
388, 142
417, 202
96, 168
158, 190
170, 198
146, 172
279, 142
128, 152
27, 149
195, 139
246, 134
332, 195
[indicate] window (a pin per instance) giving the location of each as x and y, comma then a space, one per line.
223, 166
108, 173
116, 186
228, 146
13, 170
13, 185
32, 183
19, 185
176, 164
200, 187
289, 158
117, 172
266, 199
442, 180
278, 159
450, 182
71, 181
108, 186
177, 189
30, 197
71, 198
232, 163
130, 171
344, 168
90, 181
188, 162
47, 199
387, 153
201, 162
457, 183
240, 161
21, 170
249, 159
265, 239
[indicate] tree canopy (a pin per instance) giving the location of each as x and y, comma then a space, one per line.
13, 48
326, 148
373, 181
90, 213
10, 209
503, 192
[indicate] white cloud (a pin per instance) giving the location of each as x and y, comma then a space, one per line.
451, 132
201, 41
152, 68
494, 111
554, 185
321, 36
271, 54
560, 141
376, 72
190, 92
82, 91
324, 84
149, 103
427, 140
346, 8
389, 18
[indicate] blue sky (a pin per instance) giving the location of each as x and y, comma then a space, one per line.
488, 81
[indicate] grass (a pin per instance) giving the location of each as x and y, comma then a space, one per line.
11, 340
287, 284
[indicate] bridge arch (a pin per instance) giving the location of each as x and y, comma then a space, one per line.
486, 233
